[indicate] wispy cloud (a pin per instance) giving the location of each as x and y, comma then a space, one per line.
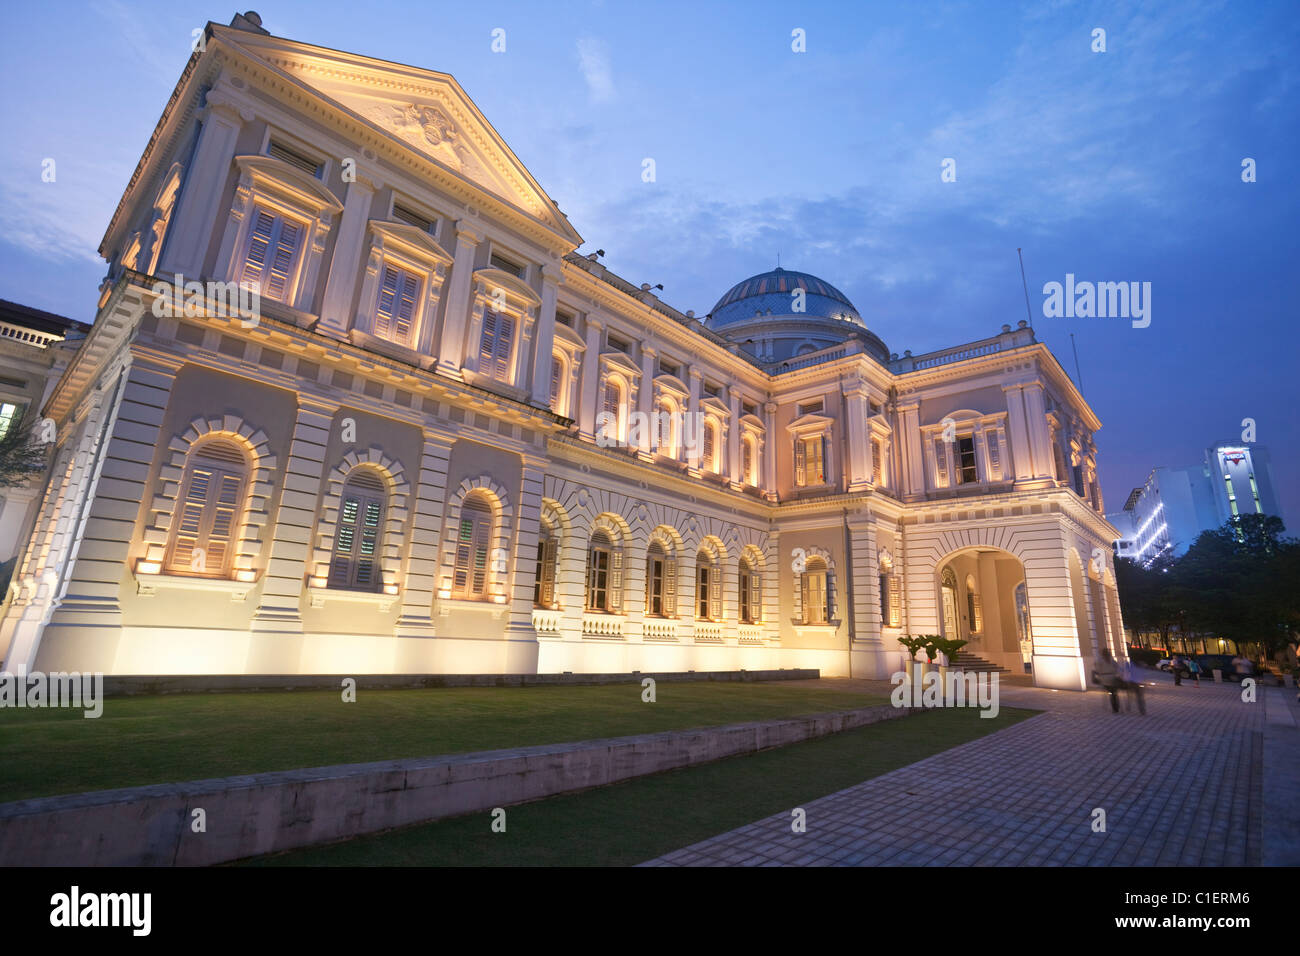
593, 60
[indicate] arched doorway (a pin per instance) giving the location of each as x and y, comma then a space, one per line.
983, 600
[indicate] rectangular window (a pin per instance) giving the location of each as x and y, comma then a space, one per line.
495, 347
412, 218
814, 597
655, 587
668, 368
746, 612
10, 417
505, 265
399, 294
809, 461
598, 579
293, 157
967, 473
564, 318
702, 594
811, 408
355, 565
271, 254
618, 344
206, 521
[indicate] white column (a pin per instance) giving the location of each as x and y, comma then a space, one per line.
346, 262
646, 396
295, 519
693, 453
545, 344
588, 399
734, 459
1036, 425
426, 526
768, 478
190, 233
858, 436
451, 351
913, 473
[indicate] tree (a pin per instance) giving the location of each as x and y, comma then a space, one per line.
23, 455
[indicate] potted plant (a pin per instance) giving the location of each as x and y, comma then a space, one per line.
948, 647
913, 644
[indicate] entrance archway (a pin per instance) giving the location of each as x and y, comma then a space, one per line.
983, 600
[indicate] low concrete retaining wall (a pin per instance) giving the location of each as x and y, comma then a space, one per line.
123, 686
266, 812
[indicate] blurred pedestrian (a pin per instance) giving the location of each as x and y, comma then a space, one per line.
1177, 666
1194, 668
1132, 683
1108, 676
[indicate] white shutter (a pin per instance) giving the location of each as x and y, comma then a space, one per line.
487, 345
505, 338
800, 463
271, 253
895, 600
670, 587
616, 579
557, 370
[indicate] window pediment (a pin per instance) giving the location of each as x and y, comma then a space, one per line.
672, 385
517, 291
810, 424
617, 361
275, 176
716, 406
568, 339
412, 240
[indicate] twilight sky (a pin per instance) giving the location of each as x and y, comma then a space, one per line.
1117, 166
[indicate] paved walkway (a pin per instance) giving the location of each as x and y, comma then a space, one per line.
1183, 785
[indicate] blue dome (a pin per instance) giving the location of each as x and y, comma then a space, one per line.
771, 292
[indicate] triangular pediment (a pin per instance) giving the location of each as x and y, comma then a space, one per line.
422, 109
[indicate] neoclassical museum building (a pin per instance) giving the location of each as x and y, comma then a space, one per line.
424, 450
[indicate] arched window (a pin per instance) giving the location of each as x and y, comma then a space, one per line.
815, 592
473, 539
974, 610
660, 582
708, 588
604, 574
354, 564
544, 581
750, 593
209, 509
496, 346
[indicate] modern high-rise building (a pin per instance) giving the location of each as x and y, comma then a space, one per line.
1169, 512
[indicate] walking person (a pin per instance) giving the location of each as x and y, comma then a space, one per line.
1108, 677
1195, 670
1176, 667
1132, 683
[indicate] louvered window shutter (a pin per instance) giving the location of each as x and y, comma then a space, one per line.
941, 461
707, 459
827, 594
611, 400
995, 453
895, 600
272, 250
805, 606
747, 463
715, 593
755, 596
800, 463
208, 513
670, 587
487, 345
259, 246
821, 464
355, 564
505, 338
548, 573
876, 465
394, 315
557, 369
469, 576
977, 613
616, 579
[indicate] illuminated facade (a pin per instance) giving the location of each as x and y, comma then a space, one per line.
427, 451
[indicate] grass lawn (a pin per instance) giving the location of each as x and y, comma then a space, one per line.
172, 738
638, 820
